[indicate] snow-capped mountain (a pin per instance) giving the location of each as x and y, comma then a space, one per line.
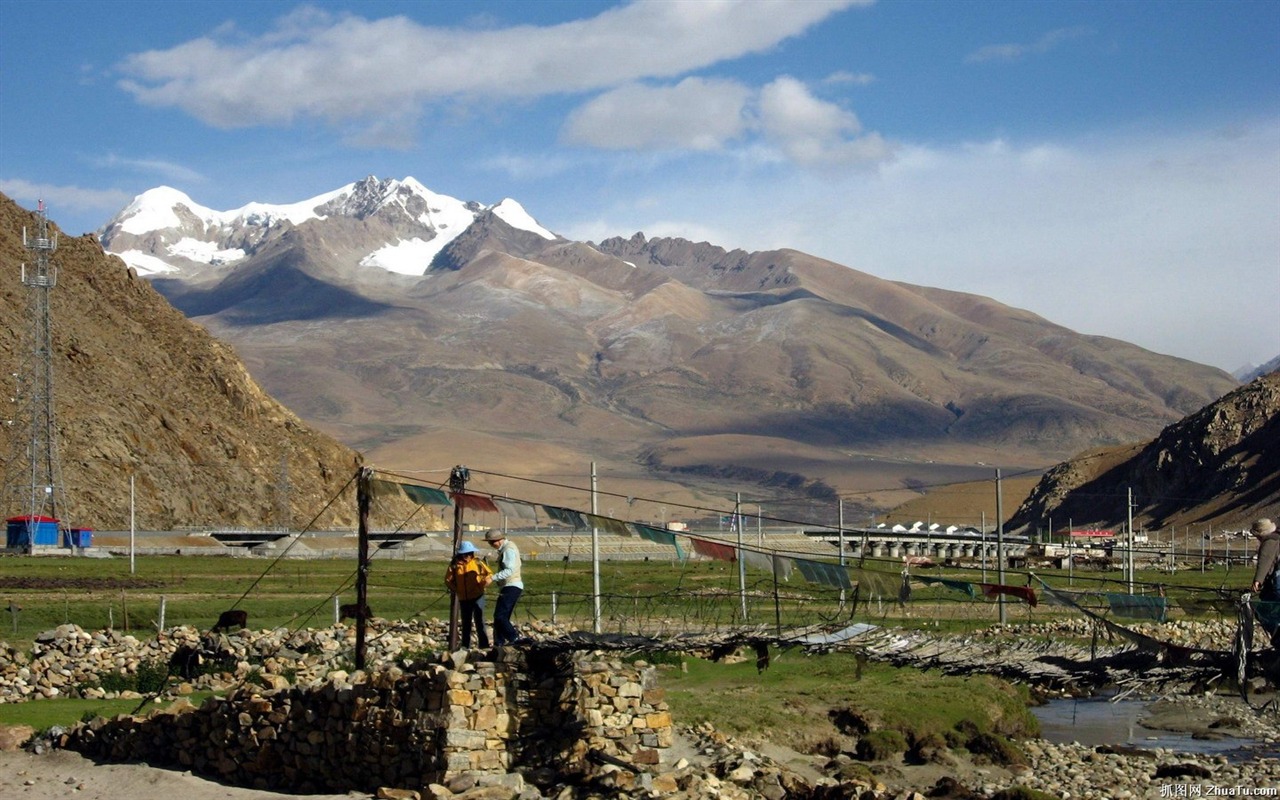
164, 233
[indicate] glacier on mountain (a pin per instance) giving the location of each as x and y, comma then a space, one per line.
410, 257
512, 213
172, 224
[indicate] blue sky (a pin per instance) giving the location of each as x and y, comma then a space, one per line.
1113, 166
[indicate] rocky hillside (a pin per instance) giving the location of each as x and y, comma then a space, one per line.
142, 391
1220, 464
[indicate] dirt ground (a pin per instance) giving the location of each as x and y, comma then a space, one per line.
62, 774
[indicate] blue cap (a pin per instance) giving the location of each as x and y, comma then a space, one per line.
466, 547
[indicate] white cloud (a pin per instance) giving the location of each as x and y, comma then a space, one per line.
167, 170
62, 198
787, 121
527, 167
337, 68
1169, 242
855, 79
695, 114
1013, 52
812, 131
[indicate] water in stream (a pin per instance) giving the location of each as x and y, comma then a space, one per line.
1097, 721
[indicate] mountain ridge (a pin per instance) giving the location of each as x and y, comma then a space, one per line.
665, 358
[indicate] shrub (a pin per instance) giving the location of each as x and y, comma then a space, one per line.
960, 735
929, 748
421, 655
996, 749
117, 682
152, 677
880, 745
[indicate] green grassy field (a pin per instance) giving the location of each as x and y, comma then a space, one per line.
637, 596
798, 695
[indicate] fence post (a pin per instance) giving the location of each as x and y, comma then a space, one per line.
553, 609
335, 609
160, 627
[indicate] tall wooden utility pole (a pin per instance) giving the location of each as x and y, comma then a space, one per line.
1004, 614
363, 497
458, 486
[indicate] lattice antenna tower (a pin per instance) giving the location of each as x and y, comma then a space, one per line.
34, 478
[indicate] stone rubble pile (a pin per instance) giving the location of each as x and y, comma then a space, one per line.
1211, 634
69, 662
1077, 772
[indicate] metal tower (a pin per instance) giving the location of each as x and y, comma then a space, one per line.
33, 479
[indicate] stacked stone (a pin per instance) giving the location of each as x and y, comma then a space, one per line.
393, 728
626, 710
475, 718
70, 662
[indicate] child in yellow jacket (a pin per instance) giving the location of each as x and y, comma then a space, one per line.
467, 578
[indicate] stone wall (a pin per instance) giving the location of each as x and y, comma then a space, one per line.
407, 729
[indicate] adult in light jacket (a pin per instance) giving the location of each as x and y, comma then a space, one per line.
510, 587
1266, 576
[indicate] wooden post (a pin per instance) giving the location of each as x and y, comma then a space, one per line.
363, 500
457, 485
1000, 546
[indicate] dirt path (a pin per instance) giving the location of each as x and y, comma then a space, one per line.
62, 774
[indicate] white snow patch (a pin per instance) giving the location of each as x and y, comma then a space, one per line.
153, 210
411, 257
204, 252
146, 264
512, 213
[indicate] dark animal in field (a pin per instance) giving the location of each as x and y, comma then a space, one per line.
186, 661
190, 661
229, 619
348, 611
762, 656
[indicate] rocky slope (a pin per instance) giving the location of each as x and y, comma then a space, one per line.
1220, 464
142, 391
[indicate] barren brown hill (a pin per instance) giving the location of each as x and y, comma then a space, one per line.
142, 391
683, 370
1220, 465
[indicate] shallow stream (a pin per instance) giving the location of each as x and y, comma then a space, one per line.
1097, 721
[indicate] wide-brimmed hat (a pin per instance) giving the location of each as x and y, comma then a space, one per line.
1261, 527
466, 547
494, 536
